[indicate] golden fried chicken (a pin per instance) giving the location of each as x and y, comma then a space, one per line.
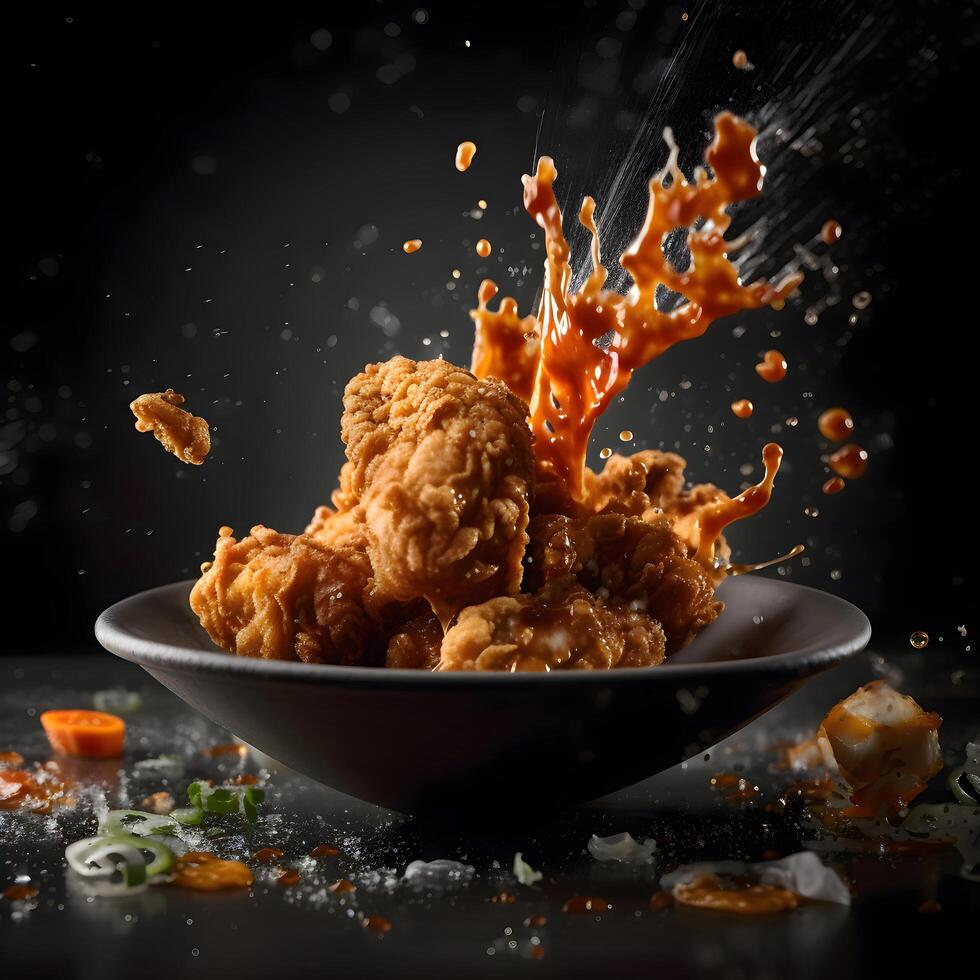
635, 484
637, 561
440, 462
285, 597
415, 644
186, 436
562, 626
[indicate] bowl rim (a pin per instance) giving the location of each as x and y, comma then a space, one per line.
802, 661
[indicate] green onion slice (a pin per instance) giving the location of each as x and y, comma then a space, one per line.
101, 857
137, 822
191, 816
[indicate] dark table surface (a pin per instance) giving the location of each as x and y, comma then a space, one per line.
461, 930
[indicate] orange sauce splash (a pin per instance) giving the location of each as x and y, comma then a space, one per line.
835, 424
772, 367
834, 485
464, 155
593, 339
506, 345
743, 408
830, 231
850, 461
745, 568
715, 517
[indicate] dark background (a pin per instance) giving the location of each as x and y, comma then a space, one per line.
215, 200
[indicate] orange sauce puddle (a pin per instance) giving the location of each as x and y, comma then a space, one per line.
706, 892
287, 877
20, 893
583, 904
734, 788
205, 872
38, 790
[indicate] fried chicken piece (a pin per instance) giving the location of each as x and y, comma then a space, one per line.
330, 527
638, 561
635, 484
285, 597
562, 626
186, 436
415, 644
441, 464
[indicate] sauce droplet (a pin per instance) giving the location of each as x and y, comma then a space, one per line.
483, 248
464, 155
324, 850
626, 436
661, 900
267, 855
378, 924
861, 300
743, 408
343, 887
834, 485
850, 461
536, 921
456, 273
773, 367
19, 893
919, 640
482, 204
412, 245
287, 877
740, 59
835, 424
830, 232
605, 453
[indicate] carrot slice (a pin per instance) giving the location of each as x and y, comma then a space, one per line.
95, 734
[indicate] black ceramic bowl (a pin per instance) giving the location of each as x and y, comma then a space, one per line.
414, 740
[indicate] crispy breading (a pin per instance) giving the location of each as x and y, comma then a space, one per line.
641, 561
285, 597
440, 462
178, 431
562, 626
415, 644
